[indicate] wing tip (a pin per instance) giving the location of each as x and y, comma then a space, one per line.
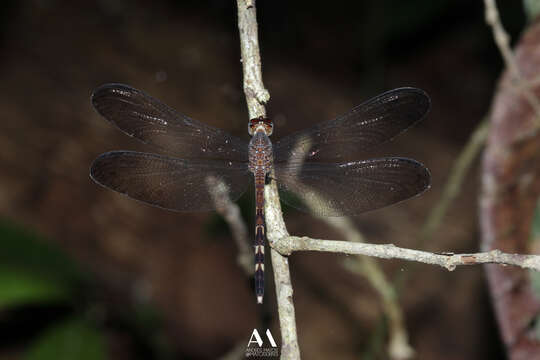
106, 88
423, 174
96, 167
420, 95
99, 164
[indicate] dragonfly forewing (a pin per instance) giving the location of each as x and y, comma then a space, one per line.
154, 123
373, 122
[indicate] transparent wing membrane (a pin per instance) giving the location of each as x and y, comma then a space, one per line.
319, 165
327, 189
170, 183
374, 122
152, 122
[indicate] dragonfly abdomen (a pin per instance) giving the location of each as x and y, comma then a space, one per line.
260, 234
260, 164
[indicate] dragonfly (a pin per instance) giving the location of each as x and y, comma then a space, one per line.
318, 170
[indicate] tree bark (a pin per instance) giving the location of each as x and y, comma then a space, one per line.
510, 189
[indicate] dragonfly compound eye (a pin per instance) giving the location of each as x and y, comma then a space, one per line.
262, 123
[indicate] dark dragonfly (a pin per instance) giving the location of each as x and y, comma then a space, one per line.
320, 165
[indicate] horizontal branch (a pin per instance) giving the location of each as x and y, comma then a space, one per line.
449, 261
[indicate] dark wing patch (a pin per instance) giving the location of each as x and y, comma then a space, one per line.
351, 188
170, 183
374, 122
152, 122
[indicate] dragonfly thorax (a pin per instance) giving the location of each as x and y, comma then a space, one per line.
260, 153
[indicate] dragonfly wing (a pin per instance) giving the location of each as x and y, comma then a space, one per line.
371, 123
152, 122
326, 189
170, 183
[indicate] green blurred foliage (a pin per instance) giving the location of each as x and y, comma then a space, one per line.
535, 275
532, 8
534, 241
72, 339
535, 226
375, 347
31, 271
34, 273
23, 287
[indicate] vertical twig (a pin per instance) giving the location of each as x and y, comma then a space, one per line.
398, 342
453, 185
231, 213
282, 278
256, 96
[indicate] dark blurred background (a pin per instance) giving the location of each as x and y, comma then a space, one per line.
86, 273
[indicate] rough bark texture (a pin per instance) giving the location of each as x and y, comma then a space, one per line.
511, 186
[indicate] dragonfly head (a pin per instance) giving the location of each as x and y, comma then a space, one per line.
260, 123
